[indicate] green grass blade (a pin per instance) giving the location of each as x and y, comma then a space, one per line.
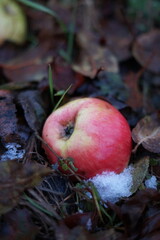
106, 214
67, 55
60, 100
31, 201
51, 87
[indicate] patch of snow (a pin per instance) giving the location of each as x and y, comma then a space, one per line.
80, 210
89, 224
111, 186
13, 151
151, 182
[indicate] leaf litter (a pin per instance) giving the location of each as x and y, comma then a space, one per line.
107, 58
147, 133
15, 178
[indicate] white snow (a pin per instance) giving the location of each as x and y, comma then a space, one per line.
89, 224
13, 151
151, 182
111, 186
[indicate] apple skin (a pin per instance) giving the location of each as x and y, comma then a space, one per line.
92, 132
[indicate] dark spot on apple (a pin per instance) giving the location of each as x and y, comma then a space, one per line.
68, 130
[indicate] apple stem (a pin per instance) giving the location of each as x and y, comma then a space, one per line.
68, 130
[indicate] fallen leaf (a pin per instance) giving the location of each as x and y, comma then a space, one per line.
147, 133
29, 64
15, 178
146, 50
140, 169
78, 219
32, 105
118, 39
93, 56
7, 112
151, 227
64, 76
13, 23
13, 131
111, 85
139, 214
18, 225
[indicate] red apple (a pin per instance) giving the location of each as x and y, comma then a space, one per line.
92, 132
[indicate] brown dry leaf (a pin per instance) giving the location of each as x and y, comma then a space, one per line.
15, 178
7, 112
147, 133
29, 65
147, 51
139, 173
18, 225
64, 76
14, 131
32, 105
94, 57
140, 215
118, 39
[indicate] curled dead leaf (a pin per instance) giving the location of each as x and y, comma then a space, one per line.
147, 133
32, 105
93, 57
